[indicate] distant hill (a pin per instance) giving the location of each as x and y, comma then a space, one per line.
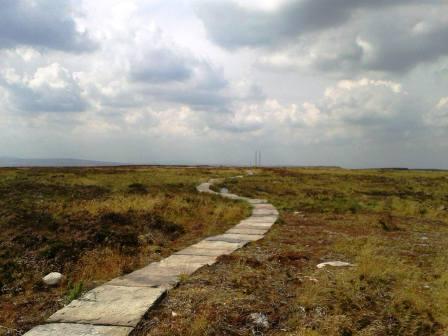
52, 162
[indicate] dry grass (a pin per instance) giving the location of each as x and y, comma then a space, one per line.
390, 225
93, 225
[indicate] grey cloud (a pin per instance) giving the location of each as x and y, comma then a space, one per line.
392, 45
332, 30
172, 76
161, 65
233, 127
233, 26
438, 116
28, 100
398, 50
201, 99
41, 23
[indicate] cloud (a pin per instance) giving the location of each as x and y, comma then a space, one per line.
41, 24
352, 109
143, 66
160, 66
341, 36
438, 116
239, 76
374, 109
50, 88
232, 25
392, 44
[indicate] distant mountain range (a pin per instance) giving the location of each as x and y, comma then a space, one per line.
52, 162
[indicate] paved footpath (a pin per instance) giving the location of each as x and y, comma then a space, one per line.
115, 308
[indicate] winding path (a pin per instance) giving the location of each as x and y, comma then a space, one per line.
115, 308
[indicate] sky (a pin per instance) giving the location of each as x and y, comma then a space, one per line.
352, 83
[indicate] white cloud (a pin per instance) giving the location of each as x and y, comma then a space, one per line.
51, 88
364, 102
443, 103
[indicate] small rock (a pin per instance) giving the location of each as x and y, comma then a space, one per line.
173, 314
259, 320
442, 208
334, 264
424, 238
52, 278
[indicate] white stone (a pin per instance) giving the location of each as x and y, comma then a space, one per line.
52, 278
259, 320
334, 264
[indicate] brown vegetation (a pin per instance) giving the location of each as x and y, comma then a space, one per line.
93, 225
395, 236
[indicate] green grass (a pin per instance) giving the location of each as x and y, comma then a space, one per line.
74, 291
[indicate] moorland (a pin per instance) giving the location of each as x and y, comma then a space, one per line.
390, 225
93, 224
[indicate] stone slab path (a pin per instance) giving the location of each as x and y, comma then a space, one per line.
115, 308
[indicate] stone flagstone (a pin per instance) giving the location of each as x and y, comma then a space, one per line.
247, 231
180, 260
207, 244
233, 237
261, 225
264, 206
110, 305
153, 275
267, 212
194, 251
75, 329
262, 219
257, 226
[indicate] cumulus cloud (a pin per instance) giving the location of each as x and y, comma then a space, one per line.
362, 108
43, 24
50, 88
140, 65
350, 109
